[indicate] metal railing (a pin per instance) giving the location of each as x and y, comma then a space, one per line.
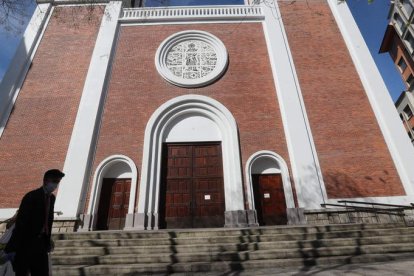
371, 207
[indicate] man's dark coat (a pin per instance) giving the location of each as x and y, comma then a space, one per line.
30, 223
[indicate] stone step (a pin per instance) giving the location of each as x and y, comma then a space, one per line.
222, 266
232, 239
233, 256
100, 250
183, 233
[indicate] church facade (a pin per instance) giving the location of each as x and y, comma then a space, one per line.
230, 115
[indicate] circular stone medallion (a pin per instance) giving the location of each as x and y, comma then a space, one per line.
191, 58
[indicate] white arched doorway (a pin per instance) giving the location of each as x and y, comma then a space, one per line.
271, 167
190, 118
115, 167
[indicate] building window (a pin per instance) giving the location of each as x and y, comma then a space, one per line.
408, 112
166, 3
401, 117
399, 22
410, 81
407, 7
410, 39
394, 49
402, 64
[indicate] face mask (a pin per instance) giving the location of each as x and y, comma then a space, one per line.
50, 187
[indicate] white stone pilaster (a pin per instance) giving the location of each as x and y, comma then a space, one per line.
71, 195
402, 151
306, 172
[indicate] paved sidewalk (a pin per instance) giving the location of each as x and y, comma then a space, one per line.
392, 268
405, 268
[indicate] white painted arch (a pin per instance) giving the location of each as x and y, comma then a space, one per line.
114, 166
266, 162
157, 131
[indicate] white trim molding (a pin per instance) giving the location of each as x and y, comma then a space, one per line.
72, 191
401, 149
195, 36
19, 66
90, 218
155, 134
283, 170
306, 172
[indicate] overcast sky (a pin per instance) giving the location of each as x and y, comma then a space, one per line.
371, 19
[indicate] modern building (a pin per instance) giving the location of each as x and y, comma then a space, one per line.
229, 114
399, 43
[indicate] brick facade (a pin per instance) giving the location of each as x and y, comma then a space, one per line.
354, 158
136, 90
37, 134
353, 155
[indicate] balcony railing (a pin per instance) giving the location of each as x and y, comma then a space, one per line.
192, 14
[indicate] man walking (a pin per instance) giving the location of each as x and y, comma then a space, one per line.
31, 238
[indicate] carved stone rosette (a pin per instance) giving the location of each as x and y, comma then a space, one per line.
191, 58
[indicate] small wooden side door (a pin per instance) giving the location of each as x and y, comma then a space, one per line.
113, 203
269, 199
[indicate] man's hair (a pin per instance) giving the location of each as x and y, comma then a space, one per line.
53, 173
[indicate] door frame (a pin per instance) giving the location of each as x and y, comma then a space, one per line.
283, 170
90, 218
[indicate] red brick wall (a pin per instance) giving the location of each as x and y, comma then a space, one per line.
136, 90
37, 134
354, 158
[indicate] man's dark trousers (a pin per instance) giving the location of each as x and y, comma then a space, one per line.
33, 259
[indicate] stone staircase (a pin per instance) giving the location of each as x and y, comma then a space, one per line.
220, 251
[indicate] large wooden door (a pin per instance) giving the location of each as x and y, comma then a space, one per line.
113, 203
192, 193
269, 199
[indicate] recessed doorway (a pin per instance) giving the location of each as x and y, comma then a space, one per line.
269, 199
192, 189
113, 203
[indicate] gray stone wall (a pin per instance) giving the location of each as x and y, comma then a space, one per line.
64, 226
409, 217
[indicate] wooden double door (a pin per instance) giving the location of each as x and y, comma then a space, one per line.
113, 203
192, 190
269, 199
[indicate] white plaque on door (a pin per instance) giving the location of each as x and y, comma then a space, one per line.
266, 195
207, 197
